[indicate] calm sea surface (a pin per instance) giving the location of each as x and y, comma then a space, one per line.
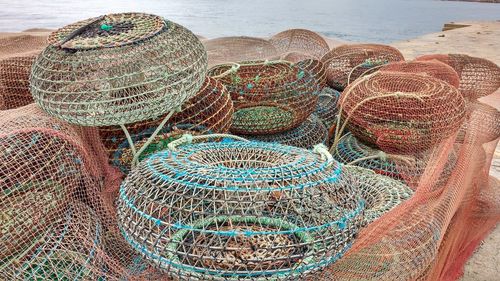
356, 20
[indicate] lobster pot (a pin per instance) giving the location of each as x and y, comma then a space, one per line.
346, 63
268, 97
14, 81
308, 134
118, 69
43, 164
326, 109
300, 41
66, 251
432, 68
209, 111
238, 48
402, 113
478, 77
381, 193
482, 121
316, 68
408, 169
239, 211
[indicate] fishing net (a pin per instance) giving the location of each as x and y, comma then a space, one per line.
66, 251
117, 69
326, 109
44, 165
238, 48
347, 63
14, 82
209, 111
239, 210
407, 169
308, 134
478, 77
300, 41
268, 97
431, 68
402, 112
17, 52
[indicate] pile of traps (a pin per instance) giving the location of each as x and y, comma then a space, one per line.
131, 150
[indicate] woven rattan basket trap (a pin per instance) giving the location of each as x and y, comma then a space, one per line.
239, 211
268, 97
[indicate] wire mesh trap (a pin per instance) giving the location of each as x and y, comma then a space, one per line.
432, 68
347, 63
268, 97
238, 48
326, 109
478, 77
396, 111
408, 169
308, 134
381, 193
239, 211
117, 69
301, 41
209, 111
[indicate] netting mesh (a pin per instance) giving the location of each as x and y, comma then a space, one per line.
346, 63
311, 132
301, 41
210, 221
240, 48
431, 68
478, 77
209, 111
117, 69
316, 68
268, 97
14, 82
402, 112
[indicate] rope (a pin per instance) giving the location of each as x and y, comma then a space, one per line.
135, 160
322, 150
188, 138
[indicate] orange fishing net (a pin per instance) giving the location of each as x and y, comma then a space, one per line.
478, 77
346, 63
17, 53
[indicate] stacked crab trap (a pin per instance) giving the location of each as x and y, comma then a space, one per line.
131, 150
